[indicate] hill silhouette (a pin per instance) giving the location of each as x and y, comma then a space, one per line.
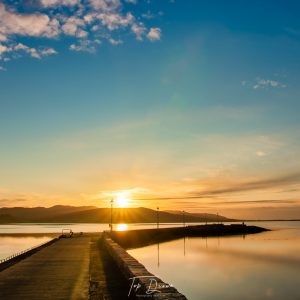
91, 214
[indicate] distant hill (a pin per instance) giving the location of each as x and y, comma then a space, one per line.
203, 216
92, 214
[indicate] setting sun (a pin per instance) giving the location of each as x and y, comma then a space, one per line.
122, 200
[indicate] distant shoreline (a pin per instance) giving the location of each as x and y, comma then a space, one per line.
163, 223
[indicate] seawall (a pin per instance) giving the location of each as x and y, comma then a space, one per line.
142, 237
142, 284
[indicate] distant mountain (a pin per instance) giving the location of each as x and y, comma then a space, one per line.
37, 214
203, 216
92, 214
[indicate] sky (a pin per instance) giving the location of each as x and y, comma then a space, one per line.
183, 104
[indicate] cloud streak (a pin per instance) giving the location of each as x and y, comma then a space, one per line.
263, 184
273, 182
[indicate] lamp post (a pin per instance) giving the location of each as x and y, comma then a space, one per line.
157, 217
183, 218
111, 214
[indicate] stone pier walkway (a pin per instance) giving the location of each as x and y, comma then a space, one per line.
76, 268
59, 271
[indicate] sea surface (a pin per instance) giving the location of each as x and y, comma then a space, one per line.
258, 266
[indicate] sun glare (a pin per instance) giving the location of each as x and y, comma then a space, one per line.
122, 200
122, 227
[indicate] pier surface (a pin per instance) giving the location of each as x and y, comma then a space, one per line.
59, 271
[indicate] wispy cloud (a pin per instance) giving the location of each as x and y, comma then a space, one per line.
9, 202
88, 23
262, 184
260, 153
85, 46
267, 83
210, 189
262, 83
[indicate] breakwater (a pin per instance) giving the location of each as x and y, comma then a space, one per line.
142, 284
139, 238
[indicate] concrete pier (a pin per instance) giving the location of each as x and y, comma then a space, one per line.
59, 271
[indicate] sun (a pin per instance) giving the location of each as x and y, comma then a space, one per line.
122, 200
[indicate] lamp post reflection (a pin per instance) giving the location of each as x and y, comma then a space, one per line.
158, 255
111, 214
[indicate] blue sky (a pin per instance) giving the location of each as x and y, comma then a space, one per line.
154, 98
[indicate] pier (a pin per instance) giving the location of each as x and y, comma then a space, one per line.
95, 266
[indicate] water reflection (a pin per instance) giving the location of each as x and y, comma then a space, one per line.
262, 266
76, 227
14, 244
121, 227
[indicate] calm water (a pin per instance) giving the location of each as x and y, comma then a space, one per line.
10, 245
260, 266
76, 227
15, 243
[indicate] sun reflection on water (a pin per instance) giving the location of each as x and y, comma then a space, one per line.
122, 227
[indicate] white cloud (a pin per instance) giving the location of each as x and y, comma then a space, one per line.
115, 42
154, 34
69, 28
33, 52
105, 5
3, 38
3, 49
12, 23
267, 83
115, 20
81, 33
72, 26
85, 46
89, 18
48, 51
138, 29
50, 3
85, 21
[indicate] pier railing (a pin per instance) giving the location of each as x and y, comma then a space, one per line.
24, 253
